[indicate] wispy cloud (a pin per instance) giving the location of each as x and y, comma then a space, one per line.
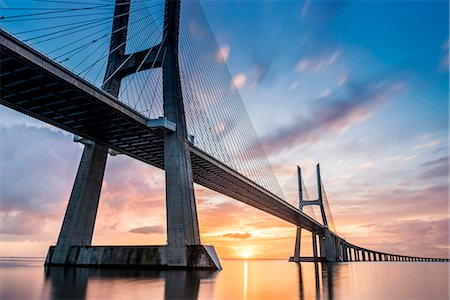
342, 79
444, 62
148, 230
428, 237
238, 235
336, 114
224, 52
239, 80
426, 145
305, 8
436, 168
317, 64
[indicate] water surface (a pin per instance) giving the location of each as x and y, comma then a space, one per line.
26, 278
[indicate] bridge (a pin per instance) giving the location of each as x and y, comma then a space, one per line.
186, 135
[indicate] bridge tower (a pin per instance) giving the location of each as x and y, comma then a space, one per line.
326, 241
183, 247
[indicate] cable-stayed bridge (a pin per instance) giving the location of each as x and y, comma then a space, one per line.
146, 78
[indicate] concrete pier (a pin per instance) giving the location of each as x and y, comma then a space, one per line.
314, 244
182, 220
198, 256
79, 219
298, 242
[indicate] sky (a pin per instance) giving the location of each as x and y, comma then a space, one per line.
360, 87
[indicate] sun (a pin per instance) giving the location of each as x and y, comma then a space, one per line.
245, 253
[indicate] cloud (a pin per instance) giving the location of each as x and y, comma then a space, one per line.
238, 235
343, 78
21, 223
325, 93
294, 85
436, 168
317, 64
37, 166
426, 145
413, 237
318, 14
305, 8
303, 65
335, 114
239, 80
148, 229
224, 52
444, 62
260, 71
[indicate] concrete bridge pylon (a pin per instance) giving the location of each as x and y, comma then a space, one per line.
184, 248
327, 242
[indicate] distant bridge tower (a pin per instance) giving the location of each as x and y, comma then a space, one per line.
183, 248
326, 240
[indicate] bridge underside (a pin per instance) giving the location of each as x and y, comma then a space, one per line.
38, 87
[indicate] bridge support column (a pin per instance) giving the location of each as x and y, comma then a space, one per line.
298, 244
338, 247
330, 249
344, 252
322, 246
314, 245
79, 220
182, 221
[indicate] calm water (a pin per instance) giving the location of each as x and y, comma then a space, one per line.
26, 278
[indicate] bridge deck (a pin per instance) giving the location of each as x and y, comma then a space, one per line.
37, 86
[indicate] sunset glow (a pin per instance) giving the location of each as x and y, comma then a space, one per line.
370, 107
245, 253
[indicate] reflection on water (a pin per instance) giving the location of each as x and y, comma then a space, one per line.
22, 278
72, 283
245, 279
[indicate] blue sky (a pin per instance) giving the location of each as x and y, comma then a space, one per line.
359, 86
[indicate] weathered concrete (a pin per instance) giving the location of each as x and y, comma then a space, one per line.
314, 244
79, 219
309, 259
182, 221
196, 256
330, 251
298, 243
298, 235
